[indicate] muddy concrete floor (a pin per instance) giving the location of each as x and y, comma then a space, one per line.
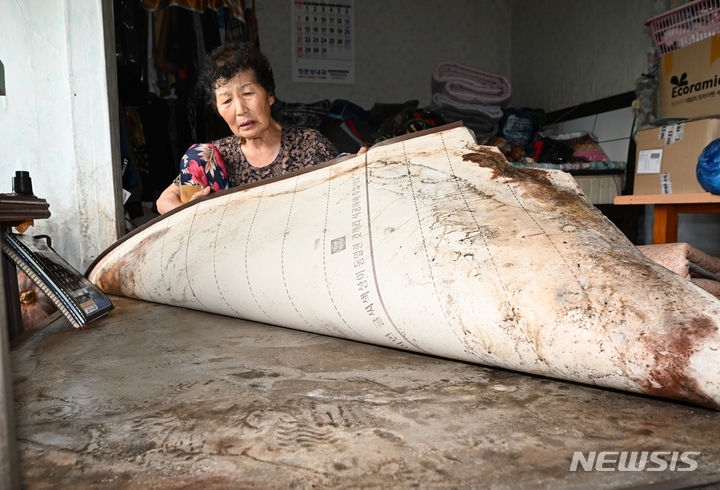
153, 396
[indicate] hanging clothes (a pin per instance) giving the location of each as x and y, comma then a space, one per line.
161, 52
235, 6
252, 25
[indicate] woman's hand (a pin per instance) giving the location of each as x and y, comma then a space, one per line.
171, 198
201, 193
363, 149
185, 196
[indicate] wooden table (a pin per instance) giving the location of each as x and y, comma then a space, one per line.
14, 210
667, 208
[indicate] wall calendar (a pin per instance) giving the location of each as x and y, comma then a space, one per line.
322, 41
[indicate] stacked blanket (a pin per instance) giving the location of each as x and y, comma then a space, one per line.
469, 94
493, 111
687, 261
469, 84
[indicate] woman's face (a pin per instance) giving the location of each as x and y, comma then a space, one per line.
244, 105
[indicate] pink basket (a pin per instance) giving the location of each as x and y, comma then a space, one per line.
685, 25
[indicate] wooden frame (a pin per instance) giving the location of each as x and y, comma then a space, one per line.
667, 208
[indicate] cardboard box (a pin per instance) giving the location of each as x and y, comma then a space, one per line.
667, 156
689, 80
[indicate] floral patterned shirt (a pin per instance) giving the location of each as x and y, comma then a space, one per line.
299, 148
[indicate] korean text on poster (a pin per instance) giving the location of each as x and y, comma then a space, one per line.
322, 41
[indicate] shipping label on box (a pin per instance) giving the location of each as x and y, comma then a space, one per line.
667, 156
689, 80
648, 161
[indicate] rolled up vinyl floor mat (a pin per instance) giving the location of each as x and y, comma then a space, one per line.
434, 244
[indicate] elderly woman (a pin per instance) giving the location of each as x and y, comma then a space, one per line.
239, 82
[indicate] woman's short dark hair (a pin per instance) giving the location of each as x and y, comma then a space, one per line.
226, 61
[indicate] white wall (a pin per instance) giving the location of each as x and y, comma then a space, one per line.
565, 52
55, 119
397, 45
